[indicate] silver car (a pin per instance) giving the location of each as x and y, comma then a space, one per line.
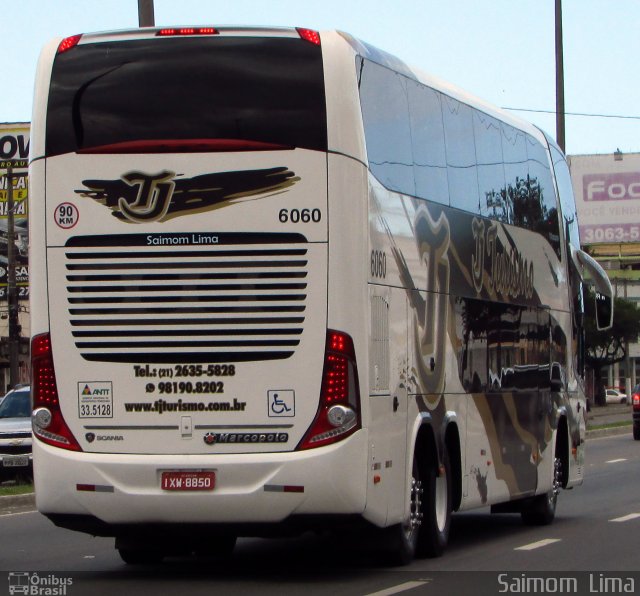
616, 397
15, 435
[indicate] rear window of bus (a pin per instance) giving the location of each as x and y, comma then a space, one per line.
263, 90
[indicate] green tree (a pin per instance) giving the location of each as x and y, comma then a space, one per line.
604, 348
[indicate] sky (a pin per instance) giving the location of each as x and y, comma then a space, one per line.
499, 50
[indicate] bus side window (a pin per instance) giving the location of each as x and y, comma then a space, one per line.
490, 167
572, 238
429, 157
462, 169
515, 171
385, 113
542, 183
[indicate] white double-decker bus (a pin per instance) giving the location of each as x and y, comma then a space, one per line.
282, 282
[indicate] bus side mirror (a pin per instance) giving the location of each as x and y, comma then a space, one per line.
604, 311
589, 267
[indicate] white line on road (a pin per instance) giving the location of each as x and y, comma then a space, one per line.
538, 544
626, 517
10, 513
400, 588
615, 461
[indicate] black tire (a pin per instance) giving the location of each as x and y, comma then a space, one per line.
541, 510
636, 433
140, 556
220, 546
436, 522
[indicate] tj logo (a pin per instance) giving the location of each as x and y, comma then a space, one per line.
138, 197
432, 315
154, 196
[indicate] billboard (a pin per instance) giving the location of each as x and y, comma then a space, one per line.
14, 147
607, 190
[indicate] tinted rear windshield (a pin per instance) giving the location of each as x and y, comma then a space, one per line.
265, 90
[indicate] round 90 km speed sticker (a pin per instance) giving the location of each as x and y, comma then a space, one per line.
66, 215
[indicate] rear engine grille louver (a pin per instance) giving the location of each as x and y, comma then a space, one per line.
241, 300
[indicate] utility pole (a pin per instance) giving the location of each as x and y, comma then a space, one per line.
12, 294
560, 136
146, 17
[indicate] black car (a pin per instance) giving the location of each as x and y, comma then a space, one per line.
635, 400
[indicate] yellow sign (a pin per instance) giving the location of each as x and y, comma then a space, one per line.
14, 146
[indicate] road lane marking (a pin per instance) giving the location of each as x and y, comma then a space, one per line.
400, 588
10, 513
615, 461
625, 518
538, 544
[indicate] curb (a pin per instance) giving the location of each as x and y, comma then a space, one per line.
598, 433
9, 502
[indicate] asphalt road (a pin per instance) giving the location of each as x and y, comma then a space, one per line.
592, 547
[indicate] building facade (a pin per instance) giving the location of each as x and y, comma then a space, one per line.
607, 190
14, 151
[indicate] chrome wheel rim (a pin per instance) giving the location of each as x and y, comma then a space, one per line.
557, 482
415, 509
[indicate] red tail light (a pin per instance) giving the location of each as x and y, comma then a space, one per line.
178, 31
48, 424
68, 42
309, 35
338, 414
635, 398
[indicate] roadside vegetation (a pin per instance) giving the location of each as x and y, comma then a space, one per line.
13, 488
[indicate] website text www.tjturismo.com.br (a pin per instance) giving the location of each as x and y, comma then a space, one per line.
160, 406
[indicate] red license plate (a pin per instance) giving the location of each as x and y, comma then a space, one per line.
181, 481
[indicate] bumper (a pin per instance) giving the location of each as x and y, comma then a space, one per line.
249, 489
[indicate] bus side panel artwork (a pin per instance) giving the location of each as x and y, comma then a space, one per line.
496, 351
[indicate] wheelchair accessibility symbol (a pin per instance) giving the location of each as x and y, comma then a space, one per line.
282, 403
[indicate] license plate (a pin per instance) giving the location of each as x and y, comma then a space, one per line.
15, 461
188, 480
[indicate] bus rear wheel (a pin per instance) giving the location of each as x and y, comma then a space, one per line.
436, 523
140, 556
426, 531
401, 540
541, 510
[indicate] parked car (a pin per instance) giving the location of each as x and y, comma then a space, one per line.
15, 435
635, 400
614, 396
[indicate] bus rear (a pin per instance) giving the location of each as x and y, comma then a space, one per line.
183, 371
